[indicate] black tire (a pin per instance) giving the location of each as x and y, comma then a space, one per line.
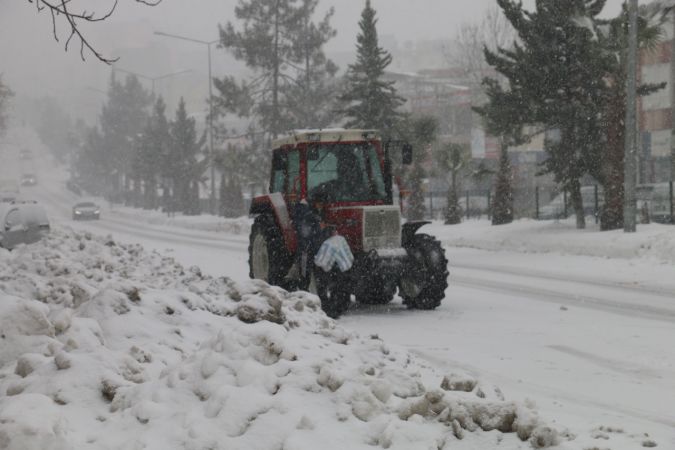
425, 279
331, 290
268, 258
374, 292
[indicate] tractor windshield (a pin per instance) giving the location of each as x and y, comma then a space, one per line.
345, 172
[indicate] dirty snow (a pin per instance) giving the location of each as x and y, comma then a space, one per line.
107, 345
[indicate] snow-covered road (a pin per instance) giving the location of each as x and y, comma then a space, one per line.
589, 340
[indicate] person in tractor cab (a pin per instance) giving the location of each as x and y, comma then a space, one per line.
347, 182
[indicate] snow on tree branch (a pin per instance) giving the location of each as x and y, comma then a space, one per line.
61, 9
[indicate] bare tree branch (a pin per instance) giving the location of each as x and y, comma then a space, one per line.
59, 9
494, 31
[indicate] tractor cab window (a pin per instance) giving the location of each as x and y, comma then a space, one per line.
293, 185
345, 172
286, 172
279, 162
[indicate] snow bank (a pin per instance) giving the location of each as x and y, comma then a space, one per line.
652, 241
106, 345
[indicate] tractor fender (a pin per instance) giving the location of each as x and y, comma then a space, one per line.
275, 206
409, 229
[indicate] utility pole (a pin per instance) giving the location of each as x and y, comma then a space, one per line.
630, 162
212, 197
672, 98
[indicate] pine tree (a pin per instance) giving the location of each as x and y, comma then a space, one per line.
421, 133
311, 98
122, 119
89, 165
556, 75
5, 95
284, 48
502, 206
371, 101
182, 164
153, 148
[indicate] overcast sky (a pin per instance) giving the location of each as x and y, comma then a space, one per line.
32, 62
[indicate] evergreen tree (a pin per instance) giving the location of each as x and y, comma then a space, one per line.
122, 120
311, 97
152, 149
370, 101
555, 78
284, 48
502, 205
90, 163
421, 133
5, 95
182, 164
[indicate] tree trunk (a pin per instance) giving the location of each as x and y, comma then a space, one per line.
611, 217
577, 203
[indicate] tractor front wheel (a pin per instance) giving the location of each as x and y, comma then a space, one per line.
268, 258
330, 289
425, 279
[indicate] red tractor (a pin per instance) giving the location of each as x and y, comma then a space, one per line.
351, 169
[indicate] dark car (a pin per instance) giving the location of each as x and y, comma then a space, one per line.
26, 154
28, 179
86, 211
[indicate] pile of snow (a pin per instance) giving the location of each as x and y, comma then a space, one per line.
106, 345
652, 241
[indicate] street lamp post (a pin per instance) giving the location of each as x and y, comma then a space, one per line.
210, 122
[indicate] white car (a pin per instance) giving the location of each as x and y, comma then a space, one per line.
22, 223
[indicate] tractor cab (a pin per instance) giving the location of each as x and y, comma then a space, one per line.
346, 175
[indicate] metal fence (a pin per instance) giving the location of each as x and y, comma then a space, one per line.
655, 203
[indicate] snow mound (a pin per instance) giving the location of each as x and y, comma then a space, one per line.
106, 345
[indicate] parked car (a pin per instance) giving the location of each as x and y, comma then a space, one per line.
28, 179
25, 154
22, 223
86, 210
9, 191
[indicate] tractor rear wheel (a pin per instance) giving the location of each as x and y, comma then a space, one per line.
268, 258
425, 279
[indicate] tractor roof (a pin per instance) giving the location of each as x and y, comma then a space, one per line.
325, 135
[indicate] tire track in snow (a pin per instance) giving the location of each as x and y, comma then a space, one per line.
584, 301
665, 293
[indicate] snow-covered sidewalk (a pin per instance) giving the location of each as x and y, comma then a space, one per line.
653, 241
106, 345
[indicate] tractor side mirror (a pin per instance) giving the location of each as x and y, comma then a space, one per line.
279, 161
313, 153
407, 154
